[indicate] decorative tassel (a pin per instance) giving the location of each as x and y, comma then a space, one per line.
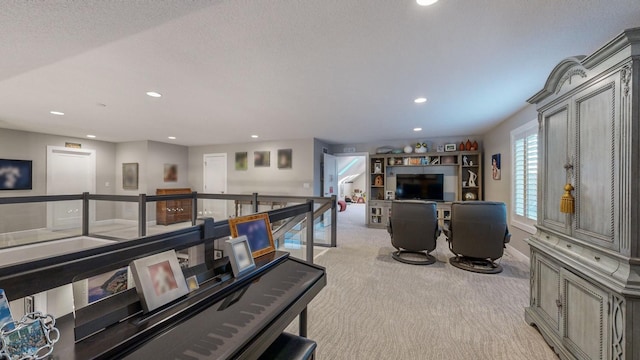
567, 201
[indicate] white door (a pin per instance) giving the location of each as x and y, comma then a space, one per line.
215, 182
69, 171
330, 180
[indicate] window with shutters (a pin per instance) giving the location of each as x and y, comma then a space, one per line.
524, 194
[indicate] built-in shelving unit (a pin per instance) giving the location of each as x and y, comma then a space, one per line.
468, 174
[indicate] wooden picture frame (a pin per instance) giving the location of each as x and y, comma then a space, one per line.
257, 228
240, 256
159, 279
16, 174
130, 176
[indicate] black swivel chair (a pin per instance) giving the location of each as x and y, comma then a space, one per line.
477, 234
413, 226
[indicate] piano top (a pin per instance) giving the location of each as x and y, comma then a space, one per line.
222, 330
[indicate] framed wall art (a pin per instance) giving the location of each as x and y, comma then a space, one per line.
170, 172
285, 158
241, 161
450, 147
240, 256
261, 158
130, 176
257, 228
495, 167
159, 279
16, 174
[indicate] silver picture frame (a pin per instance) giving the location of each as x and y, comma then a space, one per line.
159, 279
239, 252
38, 329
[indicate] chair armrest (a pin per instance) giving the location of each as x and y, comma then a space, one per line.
507, 236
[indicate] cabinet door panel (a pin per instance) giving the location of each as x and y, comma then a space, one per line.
594, 168
585, 317
556, 131
548, 290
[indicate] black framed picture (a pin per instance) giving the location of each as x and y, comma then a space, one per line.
16, 174
261, 158
284, 158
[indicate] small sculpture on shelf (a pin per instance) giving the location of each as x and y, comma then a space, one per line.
421, 148
465, 161
472, 178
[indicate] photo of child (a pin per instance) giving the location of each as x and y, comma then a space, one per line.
162, 277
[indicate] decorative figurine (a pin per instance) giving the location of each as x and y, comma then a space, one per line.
472, 178
465, 161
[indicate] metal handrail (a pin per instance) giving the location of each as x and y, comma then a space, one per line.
143, 199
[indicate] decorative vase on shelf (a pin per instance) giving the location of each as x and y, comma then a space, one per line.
467, 146
474, 146
461, 147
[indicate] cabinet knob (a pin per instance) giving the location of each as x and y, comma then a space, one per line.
569, 246
558, 303
597, 258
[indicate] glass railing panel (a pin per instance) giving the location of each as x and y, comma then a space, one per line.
322, 229
294, 240
116, 220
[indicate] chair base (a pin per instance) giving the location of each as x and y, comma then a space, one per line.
429, 259
483, 266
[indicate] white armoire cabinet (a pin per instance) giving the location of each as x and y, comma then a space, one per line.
585, 265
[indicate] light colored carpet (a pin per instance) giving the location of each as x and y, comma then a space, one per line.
374, 307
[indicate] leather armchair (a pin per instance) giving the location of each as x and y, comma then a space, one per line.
413, 226
477, 235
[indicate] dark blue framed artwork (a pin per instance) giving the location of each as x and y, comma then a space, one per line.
257, 228
16, 174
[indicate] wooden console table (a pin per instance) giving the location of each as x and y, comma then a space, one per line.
173, 211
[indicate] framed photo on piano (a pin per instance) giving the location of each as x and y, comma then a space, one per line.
257, 228
240, 255
159, 279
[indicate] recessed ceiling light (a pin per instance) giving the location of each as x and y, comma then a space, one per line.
59, 113
254, 136
417, 129
91, 136
172, 137
154, 94
420, 100
426, 2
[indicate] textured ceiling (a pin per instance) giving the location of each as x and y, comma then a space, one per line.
345, 71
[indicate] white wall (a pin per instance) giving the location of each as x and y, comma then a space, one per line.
151, 157
297, 181
498, 141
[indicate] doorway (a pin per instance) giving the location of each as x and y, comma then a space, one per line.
215, 182
69, 171
352, 184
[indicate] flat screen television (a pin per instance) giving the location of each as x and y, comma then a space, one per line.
420, 186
